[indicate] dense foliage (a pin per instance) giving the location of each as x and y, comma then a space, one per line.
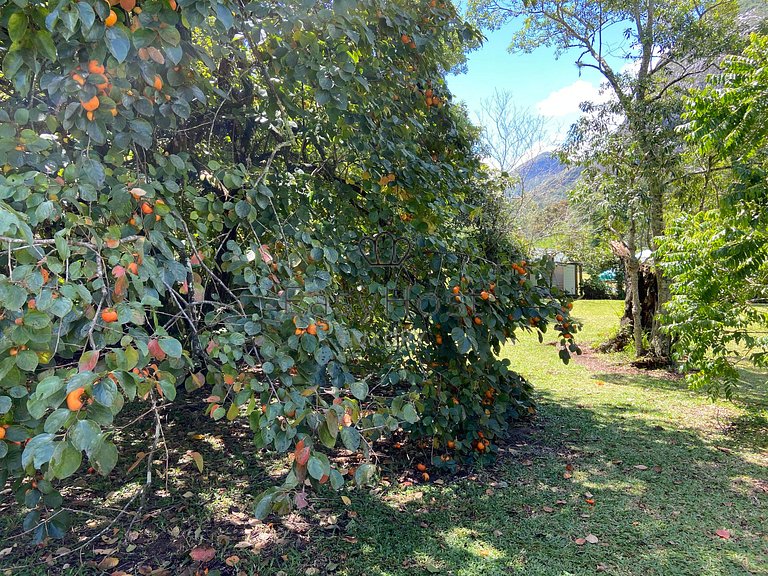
271, 209
719, 257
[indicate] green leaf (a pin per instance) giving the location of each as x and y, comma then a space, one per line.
13, 297
62, 246
84, 434
27, 360
337, 480
169, 389
87, 15
409, 414
38, 451
17, 26
171, 346
224, 15
170, 35
317, 467
350, 437
44, 41
118, 42
328, 439
66, 460
48, 387
263, 505
359, 389
5, 404
36, 319
103, 456
56, 420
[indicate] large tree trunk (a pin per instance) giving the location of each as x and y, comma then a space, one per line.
632, 266
660, 342
640, 302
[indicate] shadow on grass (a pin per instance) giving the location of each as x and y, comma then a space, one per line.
659, 496
751, 397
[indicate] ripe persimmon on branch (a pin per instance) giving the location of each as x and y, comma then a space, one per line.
171, 244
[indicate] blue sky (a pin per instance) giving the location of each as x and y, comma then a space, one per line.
539, 82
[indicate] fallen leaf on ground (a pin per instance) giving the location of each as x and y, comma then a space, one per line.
641, 467
724, 534
547, 509
202, 553
232, 560
107, 563
592, 539
580, 541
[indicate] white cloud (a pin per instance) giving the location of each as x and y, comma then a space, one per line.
565, 102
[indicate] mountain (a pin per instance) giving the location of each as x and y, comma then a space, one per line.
545, 179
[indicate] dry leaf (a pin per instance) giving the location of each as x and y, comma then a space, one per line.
198, 458
232, 560
590, 501
724, 534
640, 467
580, 541
346, 500
592, 539
547, 509
108, 563
202, 554
567, 475
139, 457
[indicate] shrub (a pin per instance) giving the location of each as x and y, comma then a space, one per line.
595, 289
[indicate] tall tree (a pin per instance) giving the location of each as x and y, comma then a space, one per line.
669, 43
719, 257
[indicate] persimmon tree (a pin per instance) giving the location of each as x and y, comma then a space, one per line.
241, 205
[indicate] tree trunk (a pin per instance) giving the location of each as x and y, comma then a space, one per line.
660, 342
633, 270
640, 302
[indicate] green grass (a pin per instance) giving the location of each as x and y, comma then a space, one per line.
702, 469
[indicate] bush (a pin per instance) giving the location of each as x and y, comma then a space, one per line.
213, 207
595, 289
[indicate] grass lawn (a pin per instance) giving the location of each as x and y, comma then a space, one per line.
646, 468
